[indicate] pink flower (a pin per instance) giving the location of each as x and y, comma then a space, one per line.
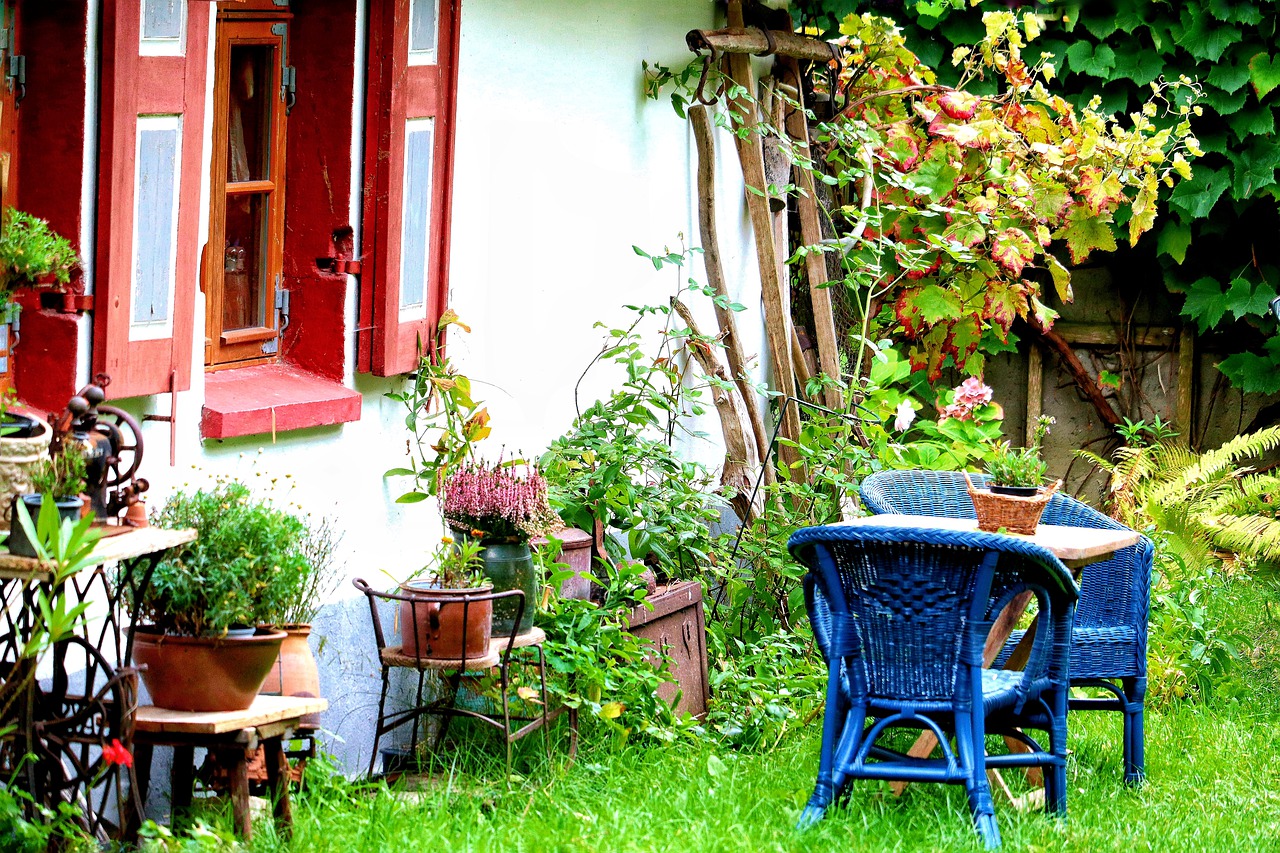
905, 416
959, 411
973, 392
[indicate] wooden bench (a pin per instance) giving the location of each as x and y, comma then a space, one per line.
233, 736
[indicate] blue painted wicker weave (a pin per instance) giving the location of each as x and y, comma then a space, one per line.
901, 616
1110, 639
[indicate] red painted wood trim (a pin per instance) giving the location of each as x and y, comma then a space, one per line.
273, 398
132, 85
397, 92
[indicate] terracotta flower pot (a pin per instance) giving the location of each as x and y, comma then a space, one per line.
295, 672
433, 628
205, 673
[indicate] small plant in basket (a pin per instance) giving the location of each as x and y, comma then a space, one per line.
1016, 497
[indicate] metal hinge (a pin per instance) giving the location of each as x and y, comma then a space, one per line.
16, 77
288, 74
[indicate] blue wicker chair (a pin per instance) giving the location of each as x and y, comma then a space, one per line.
901, 616
1110, 640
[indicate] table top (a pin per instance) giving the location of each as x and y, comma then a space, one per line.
263, 711
109, 549
1068, 544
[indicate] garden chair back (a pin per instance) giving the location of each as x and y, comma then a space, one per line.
901, 615
1110, 640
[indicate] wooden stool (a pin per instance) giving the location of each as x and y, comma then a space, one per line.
233, 736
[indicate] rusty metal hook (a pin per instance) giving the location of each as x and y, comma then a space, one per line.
711, 57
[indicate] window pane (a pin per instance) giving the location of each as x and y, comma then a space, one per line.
249, 112
415, 245
155, 217
244, 262
162, 19
422, 26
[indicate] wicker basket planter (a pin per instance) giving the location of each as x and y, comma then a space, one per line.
1008, 512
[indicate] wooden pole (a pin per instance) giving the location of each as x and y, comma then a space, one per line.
744, 40
776, 313
704, 137
824, 324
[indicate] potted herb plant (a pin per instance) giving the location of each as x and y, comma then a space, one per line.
31, 253
1016, 495
501, 508
208, 642
60, 478
296, 672
439, 629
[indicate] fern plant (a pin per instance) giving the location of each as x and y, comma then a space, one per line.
1214, 500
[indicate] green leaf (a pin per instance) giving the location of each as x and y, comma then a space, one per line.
1203, 37
1012, 249
1206, 303
936, 176
1061, 278
1228, 76
1174, 239
1196, 197
1085, 232
1100, 26
935, 303
1235, 11
1107, 379
1087, 59
1225, 103
1245, 300
399, 472
1140, 66
1255, 122
1255, 168
411, 498
1251, 373
1264, 74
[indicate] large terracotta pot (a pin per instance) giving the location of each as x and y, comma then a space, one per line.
434, 629
205, 673
295, 672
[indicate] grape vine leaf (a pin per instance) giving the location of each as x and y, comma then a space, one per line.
1012, 249
935, 304
1196, 197
936, 176
1206, 303
1252, 373
1255, 168
1264, 74
1254, 122
1203, 37
1236, 11
1174, 239
1225, 103
1228, 76
1087, 59
1085, 231
1245, 300
1140, 66
1061, 278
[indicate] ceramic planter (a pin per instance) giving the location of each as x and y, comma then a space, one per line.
19, 544
295, 672
431, 625
205, 673
20, 450
509, 565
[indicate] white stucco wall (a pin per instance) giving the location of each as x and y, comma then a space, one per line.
561, 166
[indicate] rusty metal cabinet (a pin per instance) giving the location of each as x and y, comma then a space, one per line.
677, 624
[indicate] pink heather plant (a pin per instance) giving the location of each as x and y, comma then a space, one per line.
497, 502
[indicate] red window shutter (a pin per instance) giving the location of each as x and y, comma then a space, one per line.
150, 175
409, 115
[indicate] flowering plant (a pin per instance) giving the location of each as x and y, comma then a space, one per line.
497, 502
1017, 466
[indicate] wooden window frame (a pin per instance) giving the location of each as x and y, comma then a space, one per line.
398, 91
241, 347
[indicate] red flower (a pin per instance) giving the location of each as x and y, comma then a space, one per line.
115, 753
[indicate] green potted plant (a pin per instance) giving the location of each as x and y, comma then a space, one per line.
59, 478
296, 672
206, 634
433, 628
501, 508
31, 253
1016, 495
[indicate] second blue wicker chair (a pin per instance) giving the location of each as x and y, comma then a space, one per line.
901, 616
1109, 644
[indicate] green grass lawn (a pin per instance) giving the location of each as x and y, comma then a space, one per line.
1214, 785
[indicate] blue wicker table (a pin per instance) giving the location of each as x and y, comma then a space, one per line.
1076, 547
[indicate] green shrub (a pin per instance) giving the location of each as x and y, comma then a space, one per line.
248, 566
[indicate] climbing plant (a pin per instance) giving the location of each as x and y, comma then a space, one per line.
1218, 246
